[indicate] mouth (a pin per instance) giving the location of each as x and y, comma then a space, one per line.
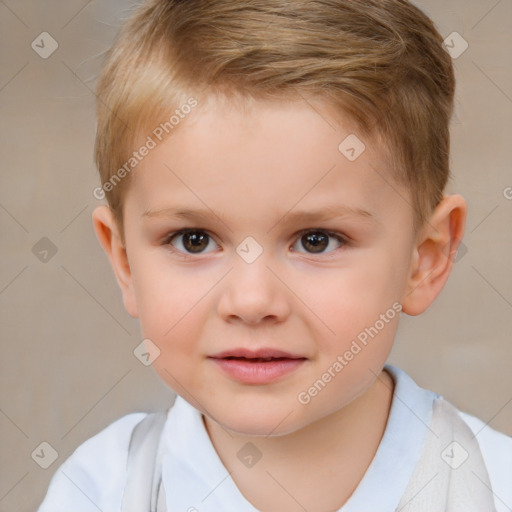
267, 354
257, 366
257, 359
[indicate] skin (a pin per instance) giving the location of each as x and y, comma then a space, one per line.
253, 168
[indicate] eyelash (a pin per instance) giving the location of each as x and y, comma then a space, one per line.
340, 238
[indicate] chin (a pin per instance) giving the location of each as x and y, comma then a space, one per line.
259, 423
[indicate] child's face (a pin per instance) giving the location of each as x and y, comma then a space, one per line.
250, 174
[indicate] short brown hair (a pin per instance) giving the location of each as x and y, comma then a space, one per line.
379, 62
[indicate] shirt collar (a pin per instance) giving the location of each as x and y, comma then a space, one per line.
195, 478
399, 451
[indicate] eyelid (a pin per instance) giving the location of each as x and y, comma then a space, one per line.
334, 234
169, 236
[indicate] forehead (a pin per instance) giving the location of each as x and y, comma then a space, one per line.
265, 157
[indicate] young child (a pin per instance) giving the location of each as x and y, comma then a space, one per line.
275, 173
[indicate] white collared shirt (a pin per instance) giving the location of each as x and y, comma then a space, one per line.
195, 480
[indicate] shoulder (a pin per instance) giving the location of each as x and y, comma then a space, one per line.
495, 446
496, 449
93, 476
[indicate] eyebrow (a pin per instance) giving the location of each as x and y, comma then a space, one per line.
322, 214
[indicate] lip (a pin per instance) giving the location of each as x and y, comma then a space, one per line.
254, 354
245, 365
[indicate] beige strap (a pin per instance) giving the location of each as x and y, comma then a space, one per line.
144, 467
451, 475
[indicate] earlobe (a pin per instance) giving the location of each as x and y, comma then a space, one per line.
109, 237
434, 254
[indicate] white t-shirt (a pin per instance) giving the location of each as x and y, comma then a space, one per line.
195, 480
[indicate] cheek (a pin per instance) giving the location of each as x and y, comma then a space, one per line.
351, 299
351, 303
172, 311
170, 301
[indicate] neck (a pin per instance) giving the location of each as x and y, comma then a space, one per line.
339, 447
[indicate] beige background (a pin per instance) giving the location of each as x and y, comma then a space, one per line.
67, 364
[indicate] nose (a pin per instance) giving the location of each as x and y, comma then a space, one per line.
252, 293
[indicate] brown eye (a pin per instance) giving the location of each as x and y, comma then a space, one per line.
317, 241
192, 241
195, 241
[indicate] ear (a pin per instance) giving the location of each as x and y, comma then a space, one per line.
434, 253
108, 235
